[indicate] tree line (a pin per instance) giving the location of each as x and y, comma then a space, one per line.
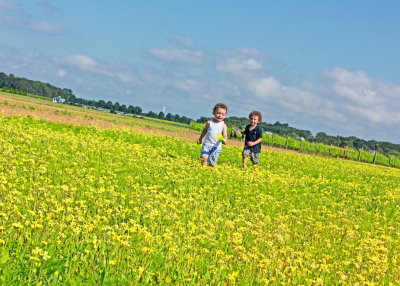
25, 86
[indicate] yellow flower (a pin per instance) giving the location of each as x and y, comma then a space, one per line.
18, 225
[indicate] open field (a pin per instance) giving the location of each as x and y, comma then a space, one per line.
17, 105
93, 198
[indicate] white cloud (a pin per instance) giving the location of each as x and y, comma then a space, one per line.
377, 114
355, 87
331, 117
177, 56
241, 62
47, 28
11, 22
237, 66
265, 87
126, 78
185, 41
19, 18
359, 95
86, 64
187, 85
82, 62
347, 78
247, 52
340, 102
62, 73
8, 5
47, 5
362, 98
38, 27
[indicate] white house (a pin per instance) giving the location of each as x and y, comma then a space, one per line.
58, 99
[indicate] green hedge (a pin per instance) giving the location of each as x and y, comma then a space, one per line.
313, 147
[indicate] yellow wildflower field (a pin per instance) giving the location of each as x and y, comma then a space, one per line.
84, 205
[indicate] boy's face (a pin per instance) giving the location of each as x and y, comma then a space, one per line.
219, 114
254, 120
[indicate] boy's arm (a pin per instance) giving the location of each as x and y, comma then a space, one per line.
203, 133
259, 139
244, 136
225, 133
252, 143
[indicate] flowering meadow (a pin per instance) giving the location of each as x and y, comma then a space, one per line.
89, 206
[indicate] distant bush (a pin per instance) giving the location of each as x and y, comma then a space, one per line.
196, 126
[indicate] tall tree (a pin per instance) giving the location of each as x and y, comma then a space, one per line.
123, 108
101, 103
137, 110
169, 117
152, 114
109, 105
131, 109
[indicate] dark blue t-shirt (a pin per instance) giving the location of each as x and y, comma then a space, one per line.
253, 135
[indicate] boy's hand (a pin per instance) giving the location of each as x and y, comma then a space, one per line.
220, 138
198, 141
250, 144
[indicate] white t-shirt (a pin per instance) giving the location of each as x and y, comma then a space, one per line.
213, 132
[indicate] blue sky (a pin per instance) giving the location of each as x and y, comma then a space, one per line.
330, 66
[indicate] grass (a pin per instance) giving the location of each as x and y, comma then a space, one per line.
84, 205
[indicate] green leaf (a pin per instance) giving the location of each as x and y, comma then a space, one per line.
103, 274
4, 256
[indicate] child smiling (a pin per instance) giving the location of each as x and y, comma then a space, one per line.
216, 134
253, 138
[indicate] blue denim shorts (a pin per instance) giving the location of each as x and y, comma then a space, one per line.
211, 153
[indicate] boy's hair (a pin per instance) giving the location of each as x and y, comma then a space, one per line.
220, 105
256, 113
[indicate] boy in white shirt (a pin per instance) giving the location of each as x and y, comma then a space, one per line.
216, 134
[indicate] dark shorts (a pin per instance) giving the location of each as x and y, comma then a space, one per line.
253, 156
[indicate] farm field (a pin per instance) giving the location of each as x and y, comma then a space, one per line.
101, 201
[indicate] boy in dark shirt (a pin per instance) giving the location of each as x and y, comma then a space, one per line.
253, 137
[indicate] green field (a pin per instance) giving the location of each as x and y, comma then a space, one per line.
83, 205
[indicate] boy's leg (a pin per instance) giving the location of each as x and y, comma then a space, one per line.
204, 161
245, 154
244, 161
214, 155
255, 159
205, 153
